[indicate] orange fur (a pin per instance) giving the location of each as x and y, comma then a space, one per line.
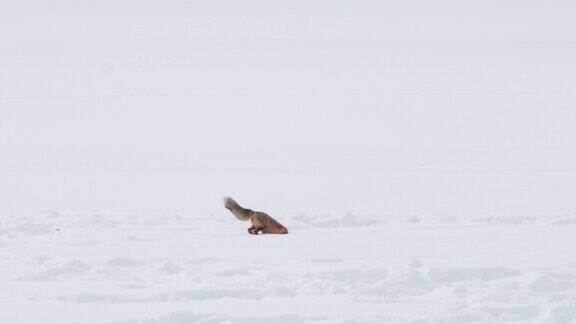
261, 222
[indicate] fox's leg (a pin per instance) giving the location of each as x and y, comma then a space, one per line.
251, 229
261, 230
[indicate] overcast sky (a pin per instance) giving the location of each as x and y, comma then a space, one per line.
361, 106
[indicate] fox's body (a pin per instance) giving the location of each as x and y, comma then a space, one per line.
261, 222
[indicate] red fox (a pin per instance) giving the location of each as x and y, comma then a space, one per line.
261, 222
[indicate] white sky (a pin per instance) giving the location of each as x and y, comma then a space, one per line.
321, 106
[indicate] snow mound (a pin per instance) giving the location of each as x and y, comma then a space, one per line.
328, 221
433, 218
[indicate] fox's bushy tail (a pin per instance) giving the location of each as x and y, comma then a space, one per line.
240, 212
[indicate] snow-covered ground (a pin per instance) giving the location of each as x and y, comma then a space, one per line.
91, 268
351, 121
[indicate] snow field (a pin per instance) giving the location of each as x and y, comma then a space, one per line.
434, 268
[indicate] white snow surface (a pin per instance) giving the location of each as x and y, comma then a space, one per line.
61, 267
420, 152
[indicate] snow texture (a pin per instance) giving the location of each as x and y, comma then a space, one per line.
421, 153
71, 267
